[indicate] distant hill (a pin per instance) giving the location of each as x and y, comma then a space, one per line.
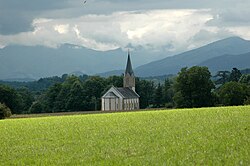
37, 61
245, 71
33, 62
111, 73
227, 62
172, 65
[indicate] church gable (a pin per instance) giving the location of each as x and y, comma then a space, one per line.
112, 93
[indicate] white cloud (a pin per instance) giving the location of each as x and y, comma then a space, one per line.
2, 46
243, 31
62, 28
174, 30
161, 27
90, 43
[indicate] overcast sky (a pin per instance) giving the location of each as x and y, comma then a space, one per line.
173, 25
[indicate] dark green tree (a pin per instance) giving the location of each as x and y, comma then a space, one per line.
245, 79
72, 95
168, 93
5, 112
51, 97
94, 87
146, 90
193, 88
64, 97
235, 75
10, 98
37, 107
26, 98
116, 81
75, 102
223, 77
158, 96
83, 77
233, 93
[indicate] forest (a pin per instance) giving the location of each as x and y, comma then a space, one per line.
192, 87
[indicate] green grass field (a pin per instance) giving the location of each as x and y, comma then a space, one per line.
206, 136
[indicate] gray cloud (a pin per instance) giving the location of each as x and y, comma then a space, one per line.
14, 22
126, 20
17, 15
22, 12
35, 5
152, 28
231, 17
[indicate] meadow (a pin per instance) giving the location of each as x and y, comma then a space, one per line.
205, 136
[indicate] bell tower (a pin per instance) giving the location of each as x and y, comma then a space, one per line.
129, 77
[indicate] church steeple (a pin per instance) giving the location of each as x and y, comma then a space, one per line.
129, 69
129, 78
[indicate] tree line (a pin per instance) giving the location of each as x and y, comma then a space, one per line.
192, 87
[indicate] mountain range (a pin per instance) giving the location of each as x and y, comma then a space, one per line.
220, 55
227, 62
33, 62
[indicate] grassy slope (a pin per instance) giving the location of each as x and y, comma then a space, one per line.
199, 136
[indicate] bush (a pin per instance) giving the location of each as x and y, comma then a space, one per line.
36, 107
10, 98
169, 105
5, 112
247, 101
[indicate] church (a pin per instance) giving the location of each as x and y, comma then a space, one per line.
122, 98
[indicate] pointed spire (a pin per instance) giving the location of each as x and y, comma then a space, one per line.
129, 69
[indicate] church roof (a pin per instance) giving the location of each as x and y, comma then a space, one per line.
129, 69
127, 92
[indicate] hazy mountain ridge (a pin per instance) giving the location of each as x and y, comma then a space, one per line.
24, 62
36, 62
111, 73
172, 65
227, 62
